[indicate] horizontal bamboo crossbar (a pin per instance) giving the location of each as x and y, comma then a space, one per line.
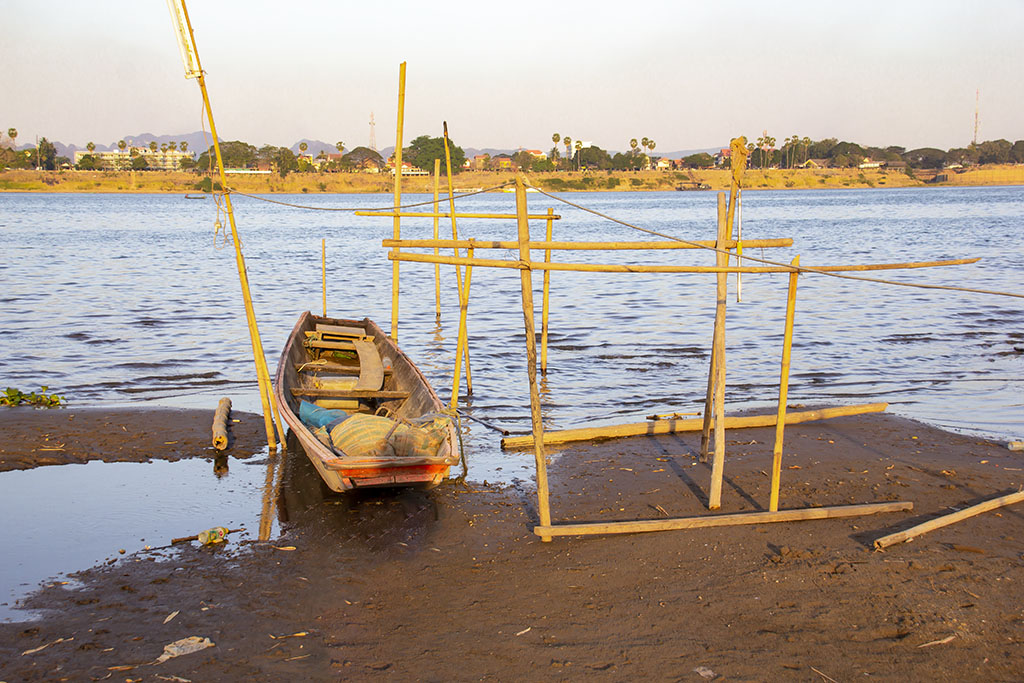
689, 425
946, 520
431, 214
638, 526
616, 268
583, 246
349, 393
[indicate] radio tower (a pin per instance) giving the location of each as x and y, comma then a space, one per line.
373, 134
976, 98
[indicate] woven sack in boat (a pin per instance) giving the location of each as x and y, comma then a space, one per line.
376, 436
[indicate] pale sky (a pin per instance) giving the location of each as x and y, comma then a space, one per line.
687, 74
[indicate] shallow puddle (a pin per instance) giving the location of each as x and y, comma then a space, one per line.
62, 519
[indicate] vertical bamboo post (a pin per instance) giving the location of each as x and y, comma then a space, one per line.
259, 357
705, 436
437, 220
463, 292
780, 421
463, 338
718, 362
739, 244
397, 224
544, 305
543, 509
323, 270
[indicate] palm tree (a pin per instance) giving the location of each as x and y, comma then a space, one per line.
184, 145
807, 146
152, 146
12, 133
555, 137
121, 144
567, 141
163, 148
172, 145
339, 145
91, 146
633, 145
303, 147
578, 146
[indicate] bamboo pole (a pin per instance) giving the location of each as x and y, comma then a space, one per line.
718, 459
705, 437
220, 424
938, 523
323, 270
582, 246
259, 357
739, 244
544, 305
640, 526
437, 266
655, 427
617, 268
463, 340
543, 508
397, 223
463, 291
780, 422
446, 214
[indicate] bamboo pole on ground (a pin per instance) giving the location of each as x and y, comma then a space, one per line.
323, 270
463, 291
543, 509
187, 41
780, 422
544, 305
931, 525
397, 223
640, 526
220, 424
437, 266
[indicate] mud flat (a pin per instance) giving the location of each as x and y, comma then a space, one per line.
453, 585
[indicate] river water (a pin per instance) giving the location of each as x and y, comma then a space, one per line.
115, 300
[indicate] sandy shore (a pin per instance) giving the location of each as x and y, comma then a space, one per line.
453, 585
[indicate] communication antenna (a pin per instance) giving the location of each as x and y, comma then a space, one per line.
373, 134
976, 99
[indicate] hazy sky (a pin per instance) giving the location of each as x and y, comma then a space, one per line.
687, 74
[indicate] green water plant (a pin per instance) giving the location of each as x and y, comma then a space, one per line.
16, 397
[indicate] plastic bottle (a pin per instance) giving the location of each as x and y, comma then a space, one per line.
217, 534
386, 363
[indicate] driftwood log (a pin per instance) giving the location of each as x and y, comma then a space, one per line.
220, 424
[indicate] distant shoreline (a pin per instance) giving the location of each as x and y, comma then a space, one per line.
183, 182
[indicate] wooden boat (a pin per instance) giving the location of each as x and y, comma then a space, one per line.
319, 363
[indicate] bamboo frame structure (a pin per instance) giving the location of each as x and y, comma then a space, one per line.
323, 270
780, 421
463, 287
270, 413
397, 222
716, 374
582, 246
445, 214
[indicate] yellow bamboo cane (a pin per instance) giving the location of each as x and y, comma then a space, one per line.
437, 217
463, 290
397, 224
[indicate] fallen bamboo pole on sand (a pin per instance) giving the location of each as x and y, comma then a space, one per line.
931, 525
639, 526
655, 427
220, 424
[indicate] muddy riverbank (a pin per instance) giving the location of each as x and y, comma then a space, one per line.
453, 585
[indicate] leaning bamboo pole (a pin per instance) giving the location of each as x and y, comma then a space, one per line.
463, 340
656, 427
543, 506
446, 214
463, 290
780, 422
437, 266
260, 358
617, 268
544, 304
397, 222
718, 367
705, 437
644, 525
323, 271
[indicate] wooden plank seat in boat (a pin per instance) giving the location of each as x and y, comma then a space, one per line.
327, 367
340, 337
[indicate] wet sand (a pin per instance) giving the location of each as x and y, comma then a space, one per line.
452, 584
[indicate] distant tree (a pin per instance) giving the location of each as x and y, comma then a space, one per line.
361, 156
699, 160
303, 147
962, 156
87, 163
153, 146
46, 155
629, 161
12, 133
567, 141
651, 144
163, 148
184, 145
284, 161
236, 154
172, 145
422, 151
994, 152
633, 145
139, 163
555, 137
91, 146
806, 142
1017, 152
595, 158
340, 146
925, 157
577, 146
121, 144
